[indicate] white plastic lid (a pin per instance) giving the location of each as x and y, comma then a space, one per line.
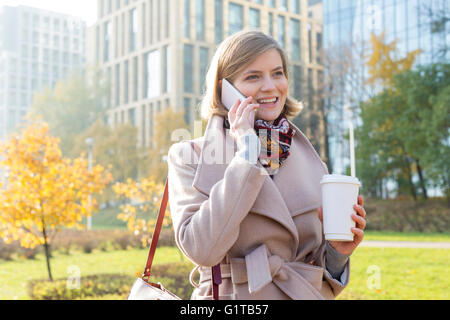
330, 178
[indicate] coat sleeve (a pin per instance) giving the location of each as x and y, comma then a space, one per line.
207, 226
337, 285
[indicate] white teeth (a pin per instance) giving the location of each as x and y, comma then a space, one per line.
267, 100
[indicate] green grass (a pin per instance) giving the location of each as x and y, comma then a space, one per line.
406, 236
404, 273
15, 274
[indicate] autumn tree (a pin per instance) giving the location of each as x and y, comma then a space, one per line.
142, 200
43, 191
384, 63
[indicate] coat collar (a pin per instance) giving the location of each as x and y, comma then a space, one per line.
295, 189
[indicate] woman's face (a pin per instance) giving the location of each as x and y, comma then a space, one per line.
265, 81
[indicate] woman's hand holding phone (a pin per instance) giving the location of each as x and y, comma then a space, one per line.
242, 117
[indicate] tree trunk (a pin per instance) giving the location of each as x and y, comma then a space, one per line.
411, 183
422, 182
47, 251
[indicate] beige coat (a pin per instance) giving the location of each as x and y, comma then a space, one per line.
265, 233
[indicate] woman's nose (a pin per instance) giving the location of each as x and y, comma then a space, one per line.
268, 84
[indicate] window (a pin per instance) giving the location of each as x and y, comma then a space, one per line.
135, 78
187, 18
133, 29
200, 19
187, 110
271, 23
204, 59
295, 6
310, 42
218, 20
166, 69
153, 74
283, 5
117, 85
125, 82
132, 116
106, 43
254, 18
295, 39
188, 68
297, 82
281, 34
235, 18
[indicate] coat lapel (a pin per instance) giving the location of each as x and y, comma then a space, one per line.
295, 188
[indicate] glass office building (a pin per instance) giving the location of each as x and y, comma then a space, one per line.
350, 23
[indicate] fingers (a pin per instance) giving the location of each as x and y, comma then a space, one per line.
359, 235
361, 200
242, 107
360, 221
360, 210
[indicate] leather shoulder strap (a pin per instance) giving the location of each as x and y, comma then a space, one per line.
155, 237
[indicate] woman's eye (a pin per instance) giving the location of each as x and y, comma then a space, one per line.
279, 73
251, 77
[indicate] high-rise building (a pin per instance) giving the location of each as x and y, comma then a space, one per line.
37, 48
156, 54
350, 23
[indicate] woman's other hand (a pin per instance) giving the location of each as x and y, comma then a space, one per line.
347, 248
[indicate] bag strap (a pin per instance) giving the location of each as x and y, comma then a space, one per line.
155, 237
216, 274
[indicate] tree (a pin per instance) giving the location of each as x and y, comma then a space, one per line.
405, 132
72, 106
44, 191
141, 207
114, 148
383, 63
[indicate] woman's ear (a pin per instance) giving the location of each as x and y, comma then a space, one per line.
220, 83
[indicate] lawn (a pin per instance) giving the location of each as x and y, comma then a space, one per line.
398, 273
376, 273
405, 236
15, 274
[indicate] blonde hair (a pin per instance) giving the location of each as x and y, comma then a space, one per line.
232, 55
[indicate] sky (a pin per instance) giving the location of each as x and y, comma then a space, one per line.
85, 9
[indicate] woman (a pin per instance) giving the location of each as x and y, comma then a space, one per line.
249, 198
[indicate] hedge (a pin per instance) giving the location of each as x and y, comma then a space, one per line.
432, 215
175, 277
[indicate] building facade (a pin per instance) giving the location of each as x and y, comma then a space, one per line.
37, 48
350, 23
156, 54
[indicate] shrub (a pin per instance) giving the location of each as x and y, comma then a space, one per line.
90, 286
403, 215
175, 277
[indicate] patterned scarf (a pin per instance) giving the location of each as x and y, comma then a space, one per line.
275, 140
275, 136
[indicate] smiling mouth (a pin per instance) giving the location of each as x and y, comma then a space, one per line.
268, 100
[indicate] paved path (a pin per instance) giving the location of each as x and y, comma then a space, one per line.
405, 244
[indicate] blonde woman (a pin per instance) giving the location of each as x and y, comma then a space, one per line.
246, 195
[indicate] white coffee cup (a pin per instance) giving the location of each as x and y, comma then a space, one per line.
339, 194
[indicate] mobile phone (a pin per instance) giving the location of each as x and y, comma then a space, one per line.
230, 94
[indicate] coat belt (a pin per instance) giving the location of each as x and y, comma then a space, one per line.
259, 268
